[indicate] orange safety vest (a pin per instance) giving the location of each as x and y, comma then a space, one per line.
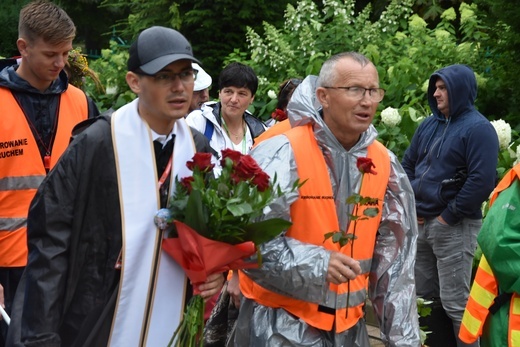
22, 169
276, 129
315, 211
485, 289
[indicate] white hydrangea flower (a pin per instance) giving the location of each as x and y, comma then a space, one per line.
271, 94
400, 36
481, 80
424, 87
466, 13
390, 72
417, 22
512, 153
503, 130
449, 14
390, 117
517, 155
442, 34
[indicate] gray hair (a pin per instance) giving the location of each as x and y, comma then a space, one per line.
328, 74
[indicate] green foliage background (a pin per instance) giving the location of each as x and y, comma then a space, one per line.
407, 40
214, 28
403, 46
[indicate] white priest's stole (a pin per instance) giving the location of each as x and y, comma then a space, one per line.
152, 291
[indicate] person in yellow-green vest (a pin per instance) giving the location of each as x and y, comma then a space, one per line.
493, 309
311, 292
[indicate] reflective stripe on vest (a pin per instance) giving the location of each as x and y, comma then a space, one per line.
21, 166
483, 292
485, 289
315, 210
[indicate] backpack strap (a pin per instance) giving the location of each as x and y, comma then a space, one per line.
208, 130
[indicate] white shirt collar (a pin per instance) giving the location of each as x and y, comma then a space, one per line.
161, 138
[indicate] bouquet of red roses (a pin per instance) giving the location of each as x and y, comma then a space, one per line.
212, 224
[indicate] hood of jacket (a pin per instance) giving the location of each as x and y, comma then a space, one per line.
10, 79
451, 162
461, 85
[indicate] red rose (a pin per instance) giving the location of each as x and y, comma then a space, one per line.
231, 154
186, 183
201, 161
261, 180
247, 168
279, 115
235, 178
365, 165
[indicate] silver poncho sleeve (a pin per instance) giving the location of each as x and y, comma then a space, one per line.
391, 281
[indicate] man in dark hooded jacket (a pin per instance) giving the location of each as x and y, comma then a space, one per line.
451, 163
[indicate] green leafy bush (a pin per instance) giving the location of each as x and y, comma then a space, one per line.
399, 43
111, 68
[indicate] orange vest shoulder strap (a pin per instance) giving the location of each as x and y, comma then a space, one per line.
277, 129
73, 109
311, 167
505, 182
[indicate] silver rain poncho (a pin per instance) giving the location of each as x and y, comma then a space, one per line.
291, 266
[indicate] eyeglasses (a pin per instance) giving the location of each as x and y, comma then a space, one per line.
375, 94
166, 78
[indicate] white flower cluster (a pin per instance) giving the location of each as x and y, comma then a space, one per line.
390, 117
517, 155
271, 94
503, 130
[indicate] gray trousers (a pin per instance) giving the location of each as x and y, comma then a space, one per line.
444, 263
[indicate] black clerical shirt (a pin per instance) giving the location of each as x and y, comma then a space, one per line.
162, 156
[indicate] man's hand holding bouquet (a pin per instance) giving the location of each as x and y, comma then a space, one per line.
212, 226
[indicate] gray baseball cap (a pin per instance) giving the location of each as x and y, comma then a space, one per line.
157, 47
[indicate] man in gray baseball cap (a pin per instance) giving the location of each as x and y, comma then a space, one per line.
160, 72
109, 282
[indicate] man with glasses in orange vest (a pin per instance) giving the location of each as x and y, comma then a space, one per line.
493, 308
311, 292
39, 108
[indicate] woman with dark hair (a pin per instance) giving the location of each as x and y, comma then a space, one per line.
227, 123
